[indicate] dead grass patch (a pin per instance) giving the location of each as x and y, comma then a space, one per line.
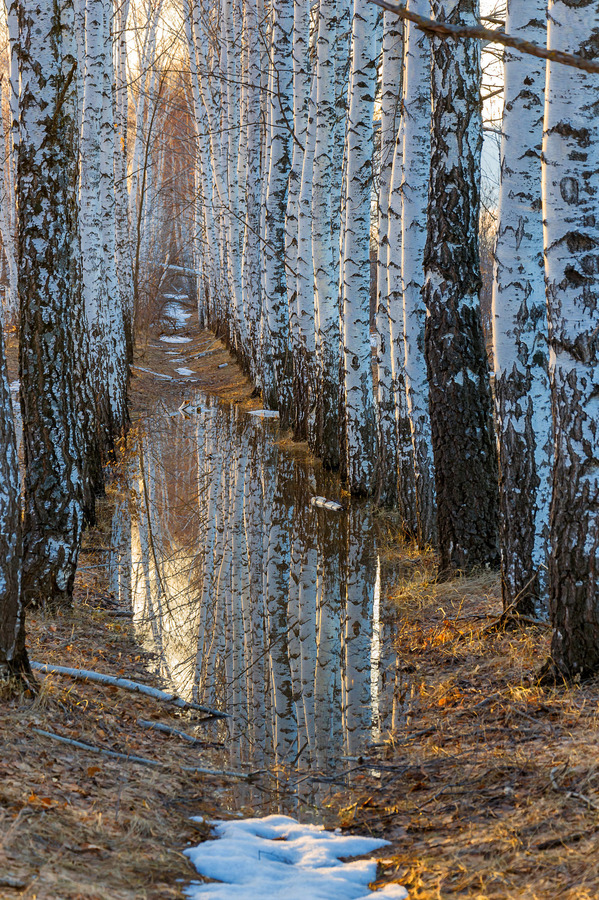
490, 786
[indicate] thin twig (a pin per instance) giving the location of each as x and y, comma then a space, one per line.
479, 32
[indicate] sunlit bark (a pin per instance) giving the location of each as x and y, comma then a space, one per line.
522, 398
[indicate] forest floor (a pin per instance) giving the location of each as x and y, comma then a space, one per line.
488, 788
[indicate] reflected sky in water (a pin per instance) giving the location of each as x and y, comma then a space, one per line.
253, 600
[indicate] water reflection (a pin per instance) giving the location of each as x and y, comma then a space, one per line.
253, 600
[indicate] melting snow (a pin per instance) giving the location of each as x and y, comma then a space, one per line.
280, 859
323, 503
174, 339
177, 312
264, 413
184, 371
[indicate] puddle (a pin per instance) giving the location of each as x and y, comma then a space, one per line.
256, 600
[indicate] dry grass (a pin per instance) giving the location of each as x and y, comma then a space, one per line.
490, 785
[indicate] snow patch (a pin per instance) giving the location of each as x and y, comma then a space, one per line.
323, 503
176, 312
15, 386
184, 371
278, 858
264, 413
174, 339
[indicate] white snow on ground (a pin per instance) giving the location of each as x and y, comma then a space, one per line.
279, 859
184, 371
176, 296
177, 312
174, 339
264, 413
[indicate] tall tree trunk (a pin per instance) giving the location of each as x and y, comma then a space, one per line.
325, 234
406, 483
301, 107
47, 203
391, 77
13, 656
522, 397
357, 396
414, 198
458, 372
277, 366
570, 171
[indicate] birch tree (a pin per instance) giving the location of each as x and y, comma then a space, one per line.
13, 657
391, 69
405, 474
276, 362
325, 231
414, 201
523, 406
460, 399
47, 242
97, 198
359, 446
570, 191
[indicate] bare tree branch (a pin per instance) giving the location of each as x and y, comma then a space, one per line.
479, 32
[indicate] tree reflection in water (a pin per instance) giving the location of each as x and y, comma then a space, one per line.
253, 600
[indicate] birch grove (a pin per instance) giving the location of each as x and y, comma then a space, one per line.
314, 171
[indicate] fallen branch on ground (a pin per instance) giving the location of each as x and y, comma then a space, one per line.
127, 685
142, 760
168, 729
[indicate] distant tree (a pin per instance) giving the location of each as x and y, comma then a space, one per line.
460, 397
570, 194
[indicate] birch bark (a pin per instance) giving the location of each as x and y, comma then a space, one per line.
47, 204
414, 198
522, 397
13, 656
460, 398
277, 384
391, 71
359, 447
405, 474
325, 236
570, 191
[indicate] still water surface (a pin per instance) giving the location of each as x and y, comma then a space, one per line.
253, 600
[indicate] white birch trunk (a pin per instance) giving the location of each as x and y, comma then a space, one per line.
277, 384
391, 78
522, 396
360, 429
570, 192
414, 197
